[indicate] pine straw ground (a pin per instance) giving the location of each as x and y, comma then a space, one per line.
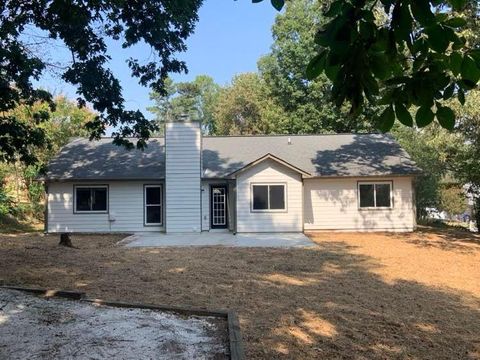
356, 296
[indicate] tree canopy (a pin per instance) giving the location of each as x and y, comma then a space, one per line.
418, 57
84, 27
307, 103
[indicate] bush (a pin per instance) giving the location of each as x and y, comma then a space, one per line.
6, 203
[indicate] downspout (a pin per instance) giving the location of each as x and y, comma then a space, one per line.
235, 207
45, 213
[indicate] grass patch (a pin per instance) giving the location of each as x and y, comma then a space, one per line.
9, 224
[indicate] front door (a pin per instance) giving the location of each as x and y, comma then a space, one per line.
218, 207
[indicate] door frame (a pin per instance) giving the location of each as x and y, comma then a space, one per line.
224, 186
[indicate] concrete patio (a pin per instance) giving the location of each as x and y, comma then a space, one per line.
280, 240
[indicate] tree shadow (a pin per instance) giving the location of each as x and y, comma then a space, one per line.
9, 224
444, 239
346, 311
82, 159
215, 166
366, 155
324, 302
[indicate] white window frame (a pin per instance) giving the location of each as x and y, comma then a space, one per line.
145, 205
75, 187
268, 198
375, 207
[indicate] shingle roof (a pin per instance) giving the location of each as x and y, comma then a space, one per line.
82, 159
319, 155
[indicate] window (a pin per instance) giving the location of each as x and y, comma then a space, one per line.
91, 199
153, 205
268, 197
375, 195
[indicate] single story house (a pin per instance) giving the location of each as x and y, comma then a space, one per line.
186, 182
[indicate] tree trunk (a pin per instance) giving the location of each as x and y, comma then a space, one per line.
65, 240
476, 212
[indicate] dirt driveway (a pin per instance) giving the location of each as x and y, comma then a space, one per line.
355, 296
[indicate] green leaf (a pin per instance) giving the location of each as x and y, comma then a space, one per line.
403, 21
386, 119
380, 66
424, 116
458, 4
256, 1
278, 4
316, 66
332, 72
437, 39
448, 92
461, 96
456, 63
446, 117
422, 13
403, 115
456, 22
470, 70
334, 9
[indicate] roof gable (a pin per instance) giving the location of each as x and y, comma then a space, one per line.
270, 157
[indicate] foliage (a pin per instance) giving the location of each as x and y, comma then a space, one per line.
452, 199
466, 158
244, 108
195, 99
418, 58
65, 122
283, 70
84, 28
431, 149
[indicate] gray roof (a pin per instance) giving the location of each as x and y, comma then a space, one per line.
318, 155
82, 159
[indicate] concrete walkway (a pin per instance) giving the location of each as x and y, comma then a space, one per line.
281, 240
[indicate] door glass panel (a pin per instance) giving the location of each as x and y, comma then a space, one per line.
219, 206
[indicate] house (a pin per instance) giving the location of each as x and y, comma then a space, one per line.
186, 182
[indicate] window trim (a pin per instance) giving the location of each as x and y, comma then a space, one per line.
92, 186
145, 187
284, 210
375, 182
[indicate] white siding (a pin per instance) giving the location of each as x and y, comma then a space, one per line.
331, 204
272, 172
125, 205
182, 143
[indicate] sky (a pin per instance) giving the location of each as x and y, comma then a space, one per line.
229, 39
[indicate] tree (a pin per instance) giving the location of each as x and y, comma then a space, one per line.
452, 199
418, 58
84, 27
195, 99
421, 145
466, 157
284, 71
65, 122
244, 108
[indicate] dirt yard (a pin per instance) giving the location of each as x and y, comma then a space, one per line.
356, 296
